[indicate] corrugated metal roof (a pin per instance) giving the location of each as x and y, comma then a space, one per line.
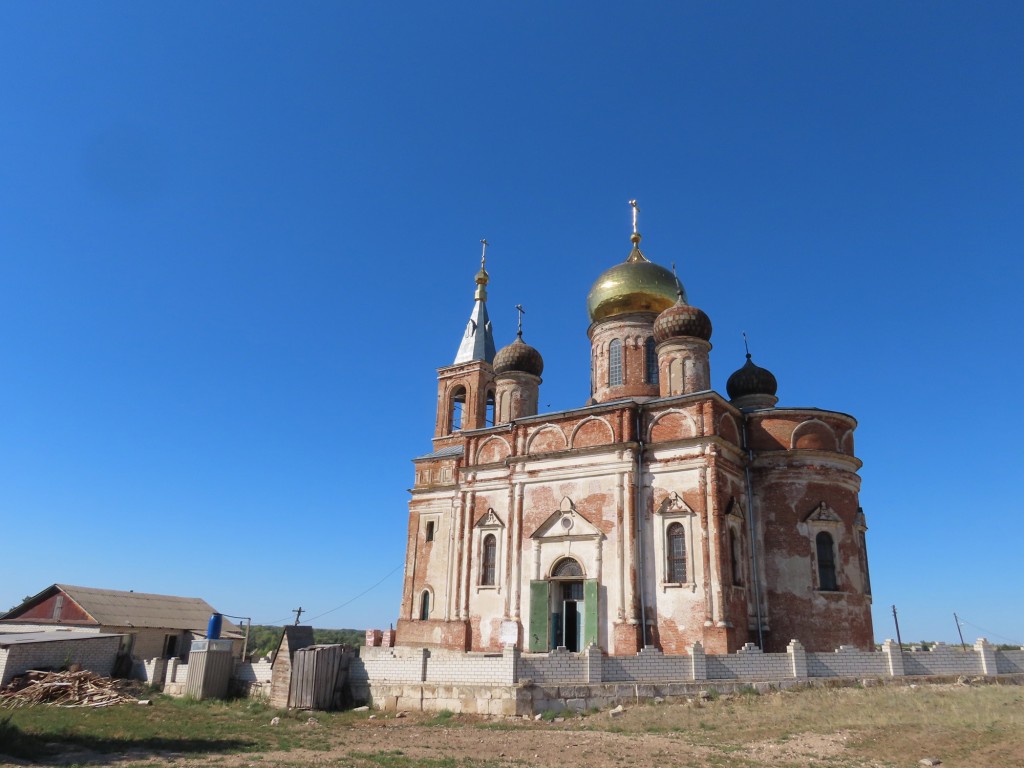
21, 638
451, 450
112, 607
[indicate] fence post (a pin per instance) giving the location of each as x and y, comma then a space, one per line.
894, 654
797, 659
987, 655
698, 662
593, 664
510, 664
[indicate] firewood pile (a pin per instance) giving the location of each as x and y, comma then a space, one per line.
63, 689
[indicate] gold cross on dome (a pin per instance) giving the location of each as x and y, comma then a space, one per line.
483, 254
636, 210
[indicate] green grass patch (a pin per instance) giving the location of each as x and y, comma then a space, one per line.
169, 725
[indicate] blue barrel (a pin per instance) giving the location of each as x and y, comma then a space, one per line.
213, 628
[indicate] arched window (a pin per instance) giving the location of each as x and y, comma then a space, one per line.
458, 408
735, 564
488, 568
615, 363
675, 546
826, 563
425, 605
650, 362
567, 568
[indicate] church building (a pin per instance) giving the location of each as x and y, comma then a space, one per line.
659, 513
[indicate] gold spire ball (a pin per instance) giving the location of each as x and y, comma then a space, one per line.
482, 277
636, 285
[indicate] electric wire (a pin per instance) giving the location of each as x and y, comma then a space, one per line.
351, 600
989, 632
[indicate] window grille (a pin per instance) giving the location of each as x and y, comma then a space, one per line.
490, 560
676, 547
650, 362
567, 568
615, 363
826, 563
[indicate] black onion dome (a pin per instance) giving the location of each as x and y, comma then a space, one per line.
681, 319
751, 380
519, 356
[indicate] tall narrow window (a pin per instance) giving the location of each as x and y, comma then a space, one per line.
826, 563
489, 416
864, 563
458, 408
490, 558
615, 363
425, 605
650, 362
430, 531
735, 563
676, 548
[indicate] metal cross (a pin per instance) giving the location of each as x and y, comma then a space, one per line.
521, 311
636, 210
483, 255
298, 614
745, 345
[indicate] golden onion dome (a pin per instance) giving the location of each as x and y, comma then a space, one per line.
636, 285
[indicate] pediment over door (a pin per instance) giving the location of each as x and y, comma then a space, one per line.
566, 524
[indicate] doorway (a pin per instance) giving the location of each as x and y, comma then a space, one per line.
567, 615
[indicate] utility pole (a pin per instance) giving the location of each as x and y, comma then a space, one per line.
898, 638
298, 614
959, 631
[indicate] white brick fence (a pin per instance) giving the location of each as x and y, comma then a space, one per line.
512, 682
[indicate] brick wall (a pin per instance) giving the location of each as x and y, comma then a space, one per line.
558, 666
96, 654
396, 666
848, 661
1009, 662
942, 659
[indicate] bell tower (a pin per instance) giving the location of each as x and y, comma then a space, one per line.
465, 389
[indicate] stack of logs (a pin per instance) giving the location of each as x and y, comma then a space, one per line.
63, 689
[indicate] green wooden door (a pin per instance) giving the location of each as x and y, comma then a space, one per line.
589, 613
540, 608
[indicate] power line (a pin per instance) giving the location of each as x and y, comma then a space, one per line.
351, 600
369, 589
989, 632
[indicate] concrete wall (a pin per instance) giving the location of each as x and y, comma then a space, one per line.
95, 654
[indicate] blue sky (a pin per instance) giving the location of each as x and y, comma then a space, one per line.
236, 240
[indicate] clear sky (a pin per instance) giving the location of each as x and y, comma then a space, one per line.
237, 239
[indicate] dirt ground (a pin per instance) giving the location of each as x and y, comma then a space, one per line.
961, 725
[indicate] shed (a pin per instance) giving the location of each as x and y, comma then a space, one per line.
292, 639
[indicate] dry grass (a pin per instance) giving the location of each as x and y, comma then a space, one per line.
876, 727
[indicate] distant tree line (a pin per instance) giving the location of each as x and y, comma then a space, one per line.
263, 638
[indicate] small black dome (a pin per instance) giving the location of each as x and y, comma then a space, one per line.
680, 320
519, 356
751, 380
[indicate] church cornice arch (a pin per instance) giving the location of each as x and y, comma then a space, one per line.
687, 418
815, 427
546, 429
591, 420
